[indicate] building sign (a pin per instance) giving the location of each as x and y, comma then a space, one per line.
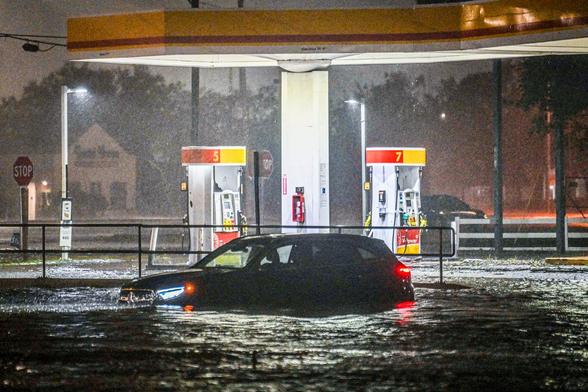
65, 231
65, 236
66, 210
95, 156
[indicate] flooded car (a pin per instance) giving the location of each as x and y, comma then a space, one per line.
282, 270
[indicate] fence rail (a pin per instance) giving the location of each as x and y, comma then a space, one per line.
539, 239
138, 230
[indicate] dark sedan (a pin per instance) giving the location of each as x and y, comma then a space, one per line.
282, 270
441, 210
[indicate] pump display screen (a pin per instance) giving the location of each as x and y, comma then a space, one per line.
227, 205
382, 196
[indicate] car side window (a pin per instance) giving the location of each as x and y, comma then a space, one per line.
366, 255
302, 254
276, 256
335, 252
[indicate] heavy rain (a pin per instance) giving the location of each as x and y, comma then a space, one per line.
500, 278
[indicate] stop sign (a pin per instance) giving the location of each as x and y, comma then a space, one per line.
266, 164
22, 170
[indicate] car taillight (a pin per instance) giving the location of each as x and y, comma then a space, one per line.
402, 271
189, 288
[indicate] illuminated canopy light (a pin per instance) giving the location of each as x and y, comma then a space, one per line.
304, 40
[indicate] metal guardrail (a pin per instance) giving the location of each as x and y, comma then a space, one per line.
526, 235
140, 229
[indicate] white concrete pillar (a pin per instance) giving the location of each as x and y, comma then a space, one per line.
305, 145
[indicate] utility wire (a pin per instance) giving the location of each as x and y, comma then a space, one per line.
31, 40
35, 35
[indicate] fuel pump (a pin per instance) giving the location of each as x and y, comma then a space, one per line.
396, 180
214, 194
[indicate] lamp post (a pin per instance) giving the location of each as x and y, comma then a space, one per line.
361, 104
64, 162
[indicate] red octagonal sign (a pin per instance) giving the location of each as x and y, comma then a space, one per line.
22, 170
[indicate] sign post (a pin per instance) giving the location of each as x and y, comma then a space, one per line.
22, 171
263, 166
65, 230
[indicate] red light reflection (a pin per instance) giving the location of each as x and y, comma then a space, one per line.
188, 308
405, 311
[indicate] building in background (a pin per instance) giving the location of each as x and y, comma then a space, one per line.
102, 176
102, 180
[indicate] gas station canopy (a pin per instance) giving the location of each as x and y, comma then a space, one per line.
302, 40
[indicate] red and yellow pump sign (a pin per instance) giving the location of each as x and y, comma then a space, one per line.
400, 156
219, 155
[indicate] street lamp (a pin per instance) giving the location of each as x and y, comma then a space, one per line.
65, 232
361, 104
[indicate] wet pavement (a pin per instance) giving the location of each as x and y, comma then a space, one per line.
522, 325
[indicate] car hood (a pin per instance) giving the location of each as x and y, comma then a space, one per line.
171, 279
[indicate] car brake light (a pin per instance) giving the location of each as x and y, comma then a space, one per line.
402, 271
189, 288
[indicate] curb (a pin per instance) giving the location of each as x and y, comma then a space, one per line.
440, 286
582, 260
52, 283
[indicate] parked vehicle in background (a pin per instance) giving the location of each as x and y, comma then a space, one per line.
441, 210
283, 270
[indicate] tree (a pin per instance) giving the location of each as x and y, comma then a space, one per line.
394, 112
145, 114
557, 88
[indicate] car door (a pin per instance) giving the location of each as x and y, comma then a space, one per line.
229, 281
373, 272
276, 275
336, 271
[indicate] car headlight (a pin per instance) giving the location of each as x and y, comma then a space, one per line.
171, 292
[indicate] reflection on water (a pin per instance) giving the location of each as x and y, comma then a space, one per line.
501, 334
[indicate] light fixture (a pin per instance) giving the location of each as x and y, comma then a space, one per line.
29, 47
79, 90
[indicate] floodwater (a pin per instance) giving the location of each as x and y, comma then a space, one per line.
521, 326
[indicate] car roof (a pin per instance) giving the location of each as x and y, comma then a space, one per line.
264, 238
311, 236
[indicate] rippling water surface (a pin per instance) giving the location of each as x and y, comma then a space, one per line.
528, 333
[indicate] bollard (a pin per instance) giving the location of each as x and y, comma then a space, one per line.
440, 255
44, 251
140, 248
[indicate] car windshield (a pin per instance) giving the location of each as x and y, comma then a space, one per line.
230, 256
